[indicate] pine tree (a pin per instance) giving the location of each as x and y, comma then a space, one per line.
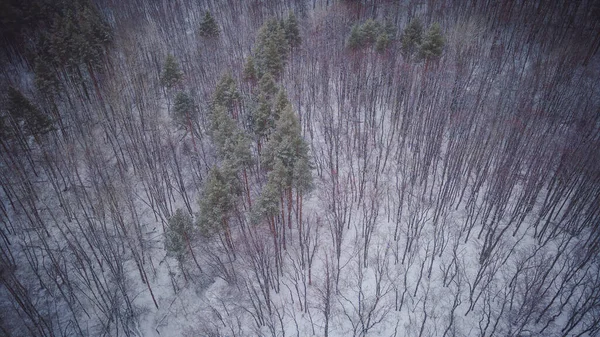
383, 41
267, 86
214, 205
262, 117
355, 40
177, 233
433, 43
250, 70
184, 111
226, 93
292, 33
26, 115
369, 31
271, 48
208, 26
171, 74
411, 37
281, 102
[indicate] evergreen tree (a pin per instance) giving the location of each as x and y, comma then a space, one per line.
433, 43
267, 86
355, 40
268, 200
281, 102
271, 48
262, 117
226, 93
292, 33
411, 37
208, 26
250, 70
26, 115
215, 204
383, 41
171, 74
184, 111
369, 31
179, 228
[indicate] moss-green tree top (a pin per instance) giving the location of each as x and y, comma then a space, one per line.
171, 74
215, 203
412, 37
281, 103
267, 86
185, 111
179, 226
371, 33
208, 26
292, 33
226, 93
250, 73
433, 43
271, 48
233, 145
355, 40
286, 148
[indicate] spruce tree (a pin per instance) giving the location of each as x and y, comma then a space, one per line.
292, 33
411, 37
171, 74
267, 86
178, 230
215, 204
26, 115
281, 102
208, 26
383, 41
250, 73
369, 31
271, 48
433, 43
355, 41
184, 111
226, 93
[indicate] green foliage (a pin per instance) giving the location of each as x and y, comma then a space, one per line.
382, 42
371, 33
268, 200
271, 48
250, 73
77, 35
267, 86
411, 37
355, 40
26, 115
226, 93
171, 74
292, 33
215, 204
233, 145
208, 26
286, 149
184, 110
262, 117
179, 227
281, 102
433, 43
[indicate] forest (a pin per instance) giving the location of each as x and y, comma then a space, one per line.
413, 168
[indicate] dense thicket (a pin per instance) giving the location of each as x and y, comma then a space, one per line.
318, 167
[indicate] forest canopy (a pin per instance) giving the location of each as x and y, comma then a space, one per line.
299, 168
